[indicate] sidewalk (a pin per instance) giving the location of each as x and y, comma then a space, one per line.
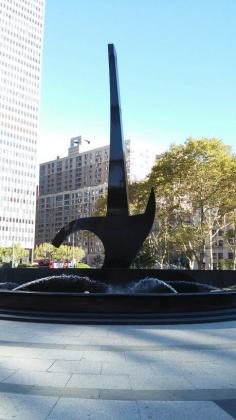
58, 371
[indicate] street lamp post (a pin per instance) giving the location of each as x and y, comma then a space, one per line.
13, 246
13, 253
73, 246
88, 245
77, 141
89, 191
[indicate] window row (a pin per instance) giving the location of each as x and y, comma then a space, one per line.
14, 93
17, 128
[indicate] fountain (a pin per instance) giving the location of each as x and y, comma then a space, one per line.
115, 293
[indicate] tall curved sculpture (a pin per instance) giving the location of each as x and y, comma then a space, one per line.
122, 235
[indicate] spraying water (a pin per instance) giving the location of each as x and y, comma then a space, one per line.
183, 286
151, 285
64, 283
82, 284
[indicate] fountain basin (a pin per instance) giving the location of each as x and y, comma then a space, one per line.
120, 308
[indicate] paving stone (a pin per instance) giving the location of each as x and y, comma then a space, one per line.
25, 407
159, 382
38, 378
16, 337
96, 331
100, 381
109, 341
104, 356
108, 363
210, 381
182, 370
210, 375
62, 354
46, 338
60, 339
184, 410
137, 356
16, 352
177, 355
70, 366
5, 373
129, 368
95, 410
25, 363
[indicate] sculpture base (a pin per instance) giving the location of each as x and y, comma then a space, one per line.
100, 308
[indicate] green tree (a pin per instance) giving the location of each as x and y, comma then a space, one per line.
47, 250
68, 252
146, 257
43, 251
138, 196
16, 252
199, 179
194, 187
230, 238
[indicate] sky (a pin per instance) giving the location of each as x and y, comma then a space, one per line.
176, 62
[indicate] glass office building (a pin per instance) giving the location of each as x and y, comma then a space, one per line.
21, 35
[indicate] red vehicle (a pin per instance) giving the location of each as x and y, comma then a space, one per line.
46, 263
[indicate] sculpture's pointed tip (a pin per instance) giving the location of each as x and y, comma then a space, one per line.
111, 49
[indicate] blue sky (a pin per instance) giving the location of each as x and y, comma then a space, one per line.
177, 67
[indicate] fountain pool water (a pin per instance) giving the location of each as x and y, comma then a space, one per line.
83, 284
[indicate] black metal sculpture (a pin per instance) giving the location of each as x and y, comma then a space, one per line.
121, 234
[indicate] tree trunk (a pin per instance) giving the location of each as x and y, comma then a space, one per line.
202, 256
234, 260
191, 261
210, 263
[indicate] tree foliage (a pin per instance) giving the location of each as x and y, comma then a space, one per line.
47, 250
198, 179
194, 186
15, 251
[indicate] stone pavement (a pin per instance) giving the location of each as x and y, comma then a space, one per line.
59, 371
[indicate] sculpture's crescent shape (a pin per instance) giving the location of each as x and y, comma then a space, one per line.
122, 236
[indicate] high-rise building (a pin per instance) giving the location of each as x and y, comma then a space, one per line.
69, 188
21, 33
142, 160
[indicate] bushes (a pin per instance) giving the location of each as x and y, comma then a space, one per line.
82, 265
24, 265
